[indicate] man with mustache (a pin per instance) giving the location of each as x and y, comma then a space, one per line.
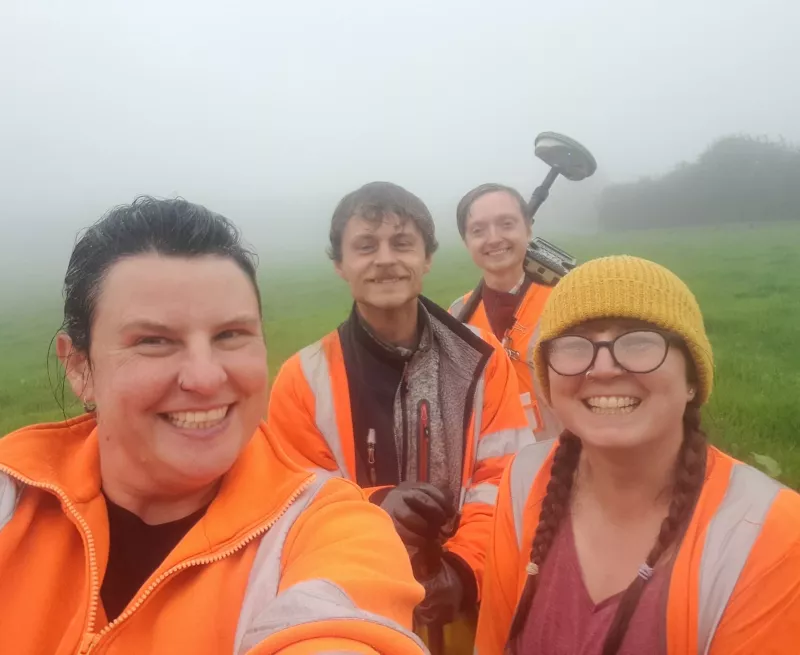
496, 226
419, 409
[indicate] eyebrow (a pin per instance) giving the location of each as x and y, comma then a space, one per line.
146, 325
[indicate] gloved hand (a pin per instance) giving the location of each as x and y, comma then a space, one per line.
444, 596
418, 510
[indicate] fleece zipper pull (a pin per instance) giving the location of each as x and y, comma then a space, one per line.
371, 440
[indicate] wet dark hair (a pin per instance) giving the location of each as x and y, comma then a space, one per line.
689, 475
465, 204
374, 202
174, 228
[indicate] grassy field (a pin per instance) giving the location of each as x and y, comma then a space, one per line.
747, 280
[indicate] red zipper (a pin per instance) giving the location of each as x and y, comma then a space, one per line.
423, 442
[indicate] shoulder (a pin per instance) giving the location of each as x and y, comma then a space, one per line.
458, 304
9, 495
527, 464
309, 359
755, 512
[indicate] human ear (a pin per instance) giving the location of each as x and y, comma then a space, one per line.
337, 266
76, 367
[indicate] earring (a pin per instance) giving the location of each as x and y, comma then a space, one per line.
691, 393
89, 406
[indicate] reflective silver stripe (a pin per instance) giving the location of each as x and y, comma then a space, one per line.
484, 493
552, 425
730, 537
9, 495
264, 579
524, 469
457, 306
311, 601
503, 442
315, 369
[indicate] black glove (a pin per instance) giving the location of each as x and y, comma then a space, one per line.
444, 596
418, 510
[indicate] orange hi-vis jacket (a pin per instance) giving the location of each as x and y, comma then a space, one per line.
735, 582
310, 412
519, 342
285, 560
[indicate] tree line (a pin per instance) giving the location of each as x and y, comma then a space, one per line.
736, 179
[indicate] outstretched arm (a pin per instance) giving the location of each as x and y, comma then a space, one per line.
346, 583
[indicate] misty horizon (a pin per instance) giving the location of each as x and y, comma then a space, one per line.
270, 113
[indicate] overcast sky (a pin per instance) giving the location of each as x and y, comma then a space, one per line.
270, 111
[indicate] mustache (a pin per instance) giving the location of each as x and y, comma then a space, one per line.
388, 276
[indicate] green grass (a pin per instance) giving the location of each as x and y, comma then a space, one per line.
747, 280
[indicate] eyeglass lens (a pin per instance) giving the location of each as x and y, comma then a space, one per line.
641, 351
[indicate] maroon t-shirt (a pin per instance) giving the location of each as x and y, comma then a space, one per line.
564, 620
500, 307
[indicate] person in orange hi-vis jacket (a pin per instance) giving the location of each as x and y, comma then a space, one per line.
416, 407
167, 519
631, 534
495, 225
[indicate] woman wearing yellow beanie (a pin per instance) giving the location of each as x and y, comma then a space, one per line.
630, 534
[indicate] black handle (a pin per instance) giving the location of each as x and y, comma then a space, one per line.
541, 192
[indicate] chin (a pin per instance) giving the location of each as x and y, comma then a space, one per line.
500, 266
390, 300
203, 471
612, 439
613, 435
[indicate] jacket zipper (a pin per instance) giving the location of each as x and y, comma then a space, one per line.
423, 442
373, 477
90, 641
403, 410
94, 584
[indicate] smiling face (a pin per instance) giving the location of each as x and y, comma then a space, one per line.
177, 369
496, 233
383, 261
612, 408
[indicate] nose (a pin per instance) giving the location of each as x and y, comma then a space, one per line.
385, 255
493, 235
604, 365
201, 372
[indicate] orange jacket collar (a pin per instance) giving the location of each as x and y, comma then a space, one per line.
65, 455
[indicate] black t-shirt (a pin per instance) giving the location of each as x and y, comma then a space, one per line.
136, 550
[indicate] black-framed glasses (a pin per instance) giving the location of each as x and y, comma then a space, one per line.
637, 351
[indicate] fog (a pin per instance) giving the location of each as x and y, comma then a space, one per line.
269, 112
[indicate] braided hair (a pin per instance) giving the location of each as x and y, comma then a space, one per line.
689, 475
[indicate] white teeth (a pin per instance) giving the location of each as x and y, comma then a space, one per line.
198, 420
612, 404
502, 251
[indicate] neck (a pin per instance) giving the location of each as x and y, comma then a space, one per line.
396, 326
503, 280
628, 483
154, 509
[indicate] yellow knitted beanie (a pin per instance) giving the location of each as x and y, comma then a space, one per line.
622, 286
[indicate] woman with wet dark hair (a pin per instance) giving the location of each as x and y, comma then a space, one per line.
630, 534
166, 520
